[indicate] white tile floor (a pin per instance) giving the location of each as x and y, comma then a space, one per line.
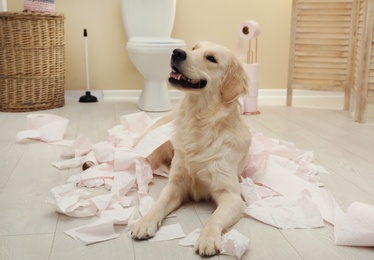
30, 229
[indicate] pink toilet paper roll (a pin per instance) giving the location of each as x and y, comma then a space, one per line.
250, 100
44, 127
247, 30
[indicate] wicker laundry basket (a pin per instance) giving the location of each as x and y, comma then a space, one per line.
32, 61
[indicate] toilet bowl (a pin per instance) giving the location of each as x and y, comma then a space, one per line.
148, 25
151, 57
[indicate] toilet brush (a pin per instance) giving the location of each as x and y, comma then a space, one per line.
88, 98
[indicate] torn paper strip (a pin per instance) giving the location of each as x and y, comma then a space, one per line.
283, 153
69, 200
191, 238
93, 233
168, 233
285, 182
356, 227
287, 212
70, 163
252, 192
146, 203
102, 229
76, 162
80, 147
154, 139
120, 216
136, 123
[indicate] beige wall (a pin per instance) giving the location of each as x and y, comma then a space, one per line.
213, 20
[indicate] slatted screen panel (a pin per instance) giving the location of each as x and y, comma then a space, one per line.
321, 46
363, 87
359, 47
371, 73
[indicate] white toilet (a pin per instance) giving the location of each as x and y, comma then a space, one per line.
148, 25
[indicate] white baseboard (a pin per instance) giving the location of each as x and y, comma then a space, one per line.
282, 93
116, 94
76, 94
175, 94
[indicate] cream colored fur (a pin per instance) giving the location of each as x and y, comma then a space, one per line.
211, 146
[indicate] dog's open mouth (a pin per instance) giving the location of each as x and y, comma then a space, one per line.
177, 78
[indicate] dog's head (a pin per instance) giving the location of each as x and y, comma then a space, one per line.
210, 68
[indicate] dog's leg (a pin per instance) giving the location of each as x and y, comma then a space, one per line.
171, 198
229, 210
162, 155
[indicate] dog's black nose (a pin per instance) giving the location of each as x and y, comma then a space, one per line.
179, 54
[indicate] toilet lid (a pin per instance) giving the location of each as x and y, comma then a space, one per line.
146, 41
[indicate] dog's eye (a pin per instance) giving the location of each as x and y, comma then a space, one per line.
211, 59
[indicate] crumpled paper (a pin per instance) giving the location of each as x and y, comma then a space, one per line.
116, 167
155, 138
168, 232
44, 127
80, 147
293, 177
94, 233
287, 212
280, 184
73, 202
356, 227
233, 242
102, 229
285, 182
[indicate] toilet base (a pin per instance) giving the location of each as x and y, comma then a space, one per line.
154, 96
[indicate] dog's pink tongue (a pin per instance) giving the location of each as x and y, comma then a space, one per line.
175, 75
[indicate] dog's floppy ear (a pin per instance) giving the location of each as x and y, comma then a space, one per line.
235, 81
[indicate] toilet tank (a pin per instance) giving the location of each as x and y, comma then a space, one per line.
148, 18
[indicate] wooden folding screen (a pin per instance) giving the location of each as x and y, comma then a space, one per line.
321, 46
363, 88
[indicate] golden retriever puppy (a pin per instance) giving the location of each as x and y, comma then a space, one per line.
210, 144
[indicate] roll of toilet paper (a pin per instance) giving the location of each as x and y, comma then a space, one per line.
3, 7
44, 127
250, 105
248, 30
250, 99
252, 73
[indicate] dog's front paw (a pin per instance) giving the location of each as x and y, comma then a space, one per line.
209, 243
145, 228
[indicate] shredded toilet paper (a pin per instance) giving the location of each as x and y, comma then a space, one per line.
94, 233
280, 185
287, 212
356, 228
168, 233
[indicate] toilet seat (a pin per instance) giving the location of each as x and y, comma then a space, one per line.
154, 42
